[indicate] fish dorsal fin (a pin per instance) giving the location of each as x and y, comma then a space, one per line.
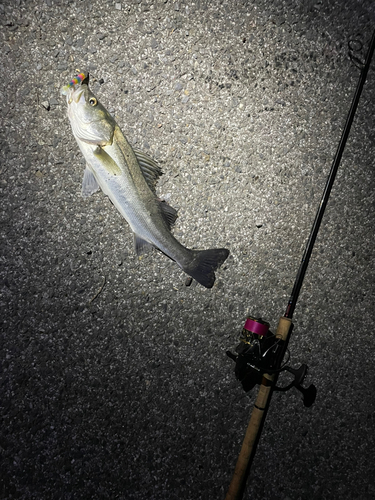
89, 183
151, 172
150, 169
169, 213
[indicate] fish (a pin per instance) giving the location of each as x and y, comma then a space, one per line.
128, 177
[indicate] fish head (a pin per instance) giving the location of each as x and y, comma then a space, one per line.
90, 121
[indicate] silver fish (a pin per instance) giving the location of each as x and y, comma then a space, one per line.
128, 177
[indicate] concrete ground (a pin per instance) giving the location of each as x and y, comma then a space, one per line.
114, 379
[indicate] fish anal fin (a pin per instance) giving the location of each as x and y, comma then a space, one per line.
89, 183
141, 246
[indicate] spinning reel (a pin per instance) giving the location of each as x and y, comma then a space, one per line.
260, 352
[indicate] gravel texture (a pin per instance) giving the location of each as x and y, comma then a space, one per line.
114, 378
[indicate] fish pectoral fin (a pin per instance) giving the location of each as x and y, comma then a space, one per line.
108, 163
150, 169
89, 183
169, 213
141, 246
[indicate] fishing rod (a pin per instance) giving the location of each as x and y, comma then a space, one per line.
260, 354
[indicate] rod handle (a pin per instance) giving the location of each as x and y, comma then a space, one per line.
237, 485
284, 328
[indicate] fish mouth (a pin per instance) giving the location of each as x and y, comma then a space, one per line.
77, 95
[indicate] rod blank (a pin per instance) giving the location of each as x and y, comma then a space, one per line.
327, 190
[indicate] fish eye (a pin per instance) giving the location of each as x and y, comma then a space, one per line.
93, 101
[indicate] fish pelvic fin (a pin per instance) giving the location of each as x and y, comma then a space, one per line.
89, 183
204, 263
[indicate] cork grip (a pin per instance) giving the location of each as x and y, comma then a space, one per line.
240, 472
283, 328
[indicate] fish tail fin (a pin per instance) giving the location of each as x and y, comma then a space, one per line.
204, 263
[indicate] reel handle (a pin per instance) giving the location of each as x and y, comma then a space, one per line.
308, 393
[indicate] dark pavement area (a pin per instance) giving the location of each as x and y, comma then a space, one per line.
114, 379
